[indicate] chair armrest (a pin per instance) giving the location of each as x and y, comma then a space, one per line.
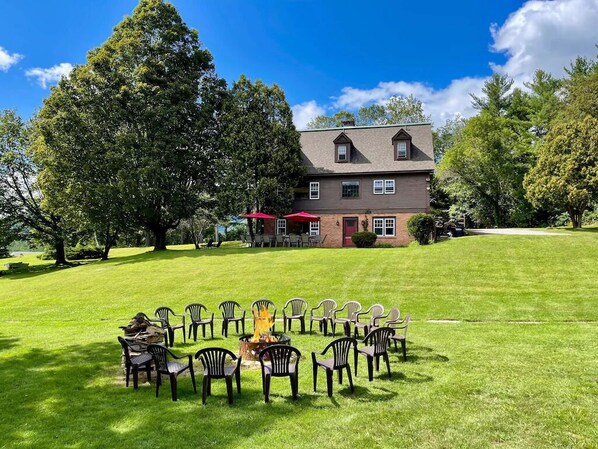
358, 314
311, 311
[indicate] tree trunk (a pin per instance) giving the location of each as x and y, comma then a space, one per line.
60, 253
575, 216
250, 228
109, 241
160, 239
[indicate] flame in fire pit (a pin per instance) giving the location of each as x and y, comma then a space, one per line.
263, 324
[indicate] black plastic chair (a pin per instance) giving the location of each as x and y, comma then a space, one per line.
376, 346
143, 360
258, 305
328, 306
214, 367
194, 311
161, 355
163, 313
341, 348
284, 362
228, 309
402, 336
298, 310
351, 308
376, 312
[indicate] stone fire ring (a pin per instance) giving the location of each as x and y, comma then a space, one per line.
250, 351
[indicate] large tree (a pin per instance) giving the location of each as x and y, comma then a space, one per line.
484, 169
263, 154
566, 173
142, 114
22, 202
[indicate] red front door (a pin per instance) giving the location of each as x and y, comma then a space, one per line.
349, 228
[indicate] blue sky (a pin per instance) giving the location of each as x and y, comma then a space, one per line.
327, 55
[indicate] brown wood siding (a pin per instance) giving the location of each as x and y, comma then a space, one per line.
411, 194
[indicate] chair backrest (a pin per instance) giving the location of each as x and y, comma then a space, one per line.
394, 314
341, 348
266, 239
258, 238
376, 311
228, 308
281, 357
298, 306
315, 239
352, 307
213, 360
195, 311
305, 238
260, 304
279, 238
125, 345
379, 338
162, 313
160, 355
329, 305
403, 324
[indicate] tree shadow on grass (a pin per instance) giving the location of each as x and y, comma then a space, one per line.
7, 342
32, 271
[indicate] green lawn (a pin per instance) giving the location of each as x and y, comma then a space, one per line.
518, 369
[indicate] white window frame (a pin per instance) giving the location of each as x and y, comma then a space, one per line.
399, 145
381, 227
317, 195
279, 227
386, 191
394, 226
382, 223
344, 153
314, 228
381, 182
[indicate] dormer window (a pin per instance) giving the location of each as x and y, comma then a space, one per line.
401, 150
342, 148
342, 153
402, 145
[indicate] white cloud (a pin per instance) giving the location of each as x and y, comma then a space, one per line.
439, 103
545, 34
51, 74
7, 60
304, 112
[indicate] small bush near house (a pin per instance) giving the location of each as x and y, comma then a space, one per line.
364, 239
421, 227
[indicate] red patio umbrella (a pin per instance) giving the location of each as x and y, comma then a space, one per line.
302, 217
259, 215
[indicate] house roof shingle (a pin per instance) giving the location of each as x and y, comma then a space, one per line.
372, 151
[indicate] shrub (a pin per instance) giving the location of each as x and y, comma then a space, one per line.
421, 227
81, 252
364, 239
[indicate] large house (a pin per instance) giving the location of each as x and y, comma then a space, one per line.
379, 175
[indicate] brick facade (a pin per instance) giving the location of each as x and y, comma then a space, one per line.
334, 232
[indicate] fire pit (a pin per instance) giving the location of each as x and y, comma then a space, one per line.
251, 345
250, 350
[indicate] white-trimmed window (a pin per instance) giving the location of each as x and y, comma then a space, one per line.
384, 227
342, 152
314, 228
389, 186
281, 226
401, 150
378, 187
314, 190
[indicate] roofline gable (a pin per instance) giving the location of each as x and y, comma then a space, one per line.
342, 138
401, 135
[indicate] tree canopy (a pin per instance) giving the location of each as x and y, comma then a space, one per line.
143, 113
263, 153
566, 173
